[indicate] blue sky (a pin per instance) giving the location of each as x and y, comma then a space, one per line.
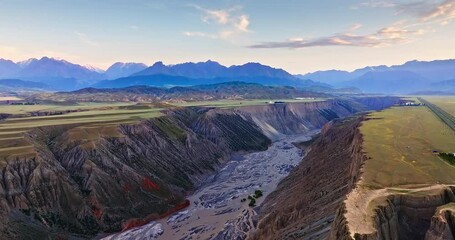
299, 36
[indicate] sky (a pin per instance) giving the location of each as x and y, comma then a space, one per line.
297, 35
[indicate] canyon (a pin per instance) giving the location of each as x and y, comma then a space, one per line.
145, 170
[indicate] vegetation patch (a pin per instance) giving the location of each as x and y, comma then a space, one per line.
252, 198
448, 157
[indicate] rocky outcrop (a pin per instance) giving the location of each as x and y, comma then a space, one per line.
425, 213
442, 226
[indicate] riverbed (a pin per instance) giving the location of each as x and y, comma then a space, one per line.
220, 208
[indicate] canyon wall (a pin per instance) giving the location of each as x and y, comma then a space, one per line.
101, 184
277, 119
305, 203
426, 213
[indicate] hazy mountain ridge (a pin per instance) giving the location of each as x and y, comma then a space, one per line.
120, 69
408, 77
63, 75
16, 83
57, 74
412, 76
211, 69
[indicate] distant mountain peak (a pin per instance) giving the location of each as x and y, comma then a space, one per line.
124, 69
26, 62
158, 64
93, 68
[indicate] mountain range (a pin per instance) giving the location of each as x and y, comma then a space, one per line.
63, 75
54, 74
406, 78
58, 74
209, 72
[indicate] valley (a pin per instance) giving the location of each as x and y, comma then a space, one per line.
130, 171
217, 210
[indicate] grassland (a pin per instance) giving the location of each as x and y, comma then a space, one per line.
24, 109
447, 103
444, 116
400, 142
9, 98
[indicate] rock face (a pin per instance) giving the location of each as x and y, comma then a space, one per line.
279, 119
442, 225
421, 215
106, 184
313, 192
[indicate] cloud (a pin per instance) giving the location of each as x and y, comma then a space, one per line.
443, 12
199, 34
134, 27
377, 4
425, 14
230, 21
243, 23
438, 11
85, 39
355, 27
383, 37
219, 16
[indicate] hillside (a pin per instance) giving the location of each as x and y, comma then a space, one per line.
229, 90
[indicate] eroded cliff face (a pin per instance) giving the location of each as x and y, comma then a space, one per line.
305, 203
320, 199
86, 187
276, 119
422, 213
442, 226
106, 184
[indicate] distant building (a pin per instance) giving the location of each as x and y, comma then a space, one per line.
409, 103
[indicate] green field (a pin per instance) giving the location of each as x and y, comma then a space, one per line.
400, 142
